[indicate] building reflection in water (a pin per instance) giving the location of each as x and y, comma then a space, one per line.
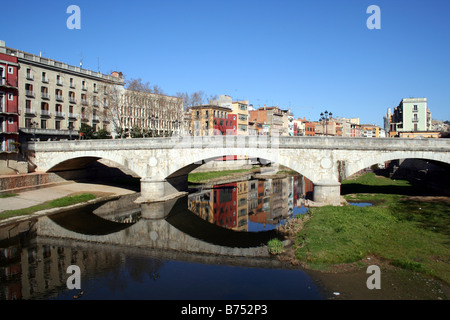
261, 201
39, 271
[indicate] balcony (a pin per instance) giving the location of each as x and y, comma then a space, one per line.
30, 112
84, 88
59, 82
30, 76
29, 93
72, 85
73, 115
8, 83
59, 98
59, 114
84, 118
72, 100
45, 95
45, 79
84, 102
95, 118
45, 113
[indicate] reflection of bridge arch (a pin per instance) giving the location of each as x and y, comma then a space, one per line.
83, 221
181, 231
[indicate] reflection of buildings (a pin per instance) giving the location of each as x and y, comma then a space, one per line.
33, 272
225, 205
242, 206
264, 201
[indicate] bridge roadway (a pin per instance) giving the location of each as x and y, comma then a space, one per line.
163, 164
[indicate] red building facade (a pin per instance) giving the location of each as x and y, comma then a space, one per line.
225, 126
225, 205
9, 115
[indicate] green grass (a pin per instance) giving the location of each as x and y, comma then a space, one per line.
412, 234
275, 246
205, 176
57, 203
8, 195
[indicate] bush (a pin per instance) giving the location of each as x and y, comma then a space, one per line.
275, 246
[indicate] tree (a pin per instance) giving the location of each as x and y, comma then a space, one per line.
138, 85
86, 132
195, 99
103, 134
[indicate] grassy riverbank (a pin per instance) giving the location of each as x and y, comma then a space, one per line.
199, 177
407, 230
57, 203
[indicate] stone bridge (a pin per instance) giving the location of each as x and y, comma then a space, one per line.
163, 164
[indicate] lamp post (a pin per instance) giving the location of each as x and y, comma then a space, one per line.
69, 127
154, 119
34, 125
324, 117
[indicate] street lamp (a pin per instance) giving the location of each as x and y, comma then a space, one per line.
154, 119
69, 127
34, 125
324, 117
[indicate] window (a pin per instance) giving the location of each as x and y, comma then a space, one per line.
28, 123
10, 97
43, 124
415, 107
10, 70
29, 74
58, 125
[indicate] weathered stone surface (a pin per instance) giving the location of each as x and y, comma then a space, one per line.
163, 163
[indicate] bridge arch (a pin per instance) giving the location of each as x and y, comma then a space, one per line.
193, 161
67, 161
367, 161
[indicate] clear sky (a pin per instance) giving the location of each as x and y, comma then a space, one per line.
307, 55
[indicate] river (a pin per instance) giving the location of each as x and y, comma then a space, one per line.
211, 245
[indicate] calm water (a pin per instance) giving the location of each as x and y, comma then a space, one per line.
210, 246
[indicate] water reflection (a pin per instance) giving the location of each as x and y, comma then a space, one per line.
252, 205
123, 254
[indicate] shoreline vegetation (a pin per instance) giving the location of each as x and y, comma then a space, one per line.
405, 227
56, 203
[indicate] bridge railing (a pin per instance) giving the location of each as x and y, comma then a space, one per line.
275, 142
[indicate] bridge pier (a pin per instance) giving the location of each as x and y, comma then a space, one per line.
327, 192
159, 190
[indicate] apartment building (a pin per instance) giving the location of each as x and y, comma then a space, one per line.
372, 131
240, 109
150, 113
55, 98
9, 113
411, 115
206, 120
270, 117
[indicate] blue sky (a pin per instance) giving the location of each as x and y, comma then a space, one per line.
307, 55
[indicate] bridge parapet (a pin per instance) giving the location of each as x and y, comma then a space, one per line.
190, 142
